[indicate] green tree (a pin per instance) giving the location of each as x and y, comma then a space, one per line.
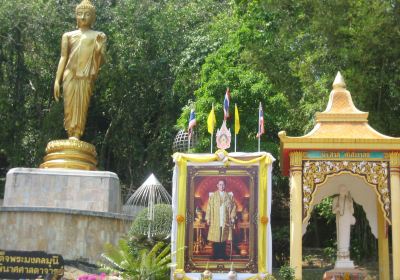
134, 107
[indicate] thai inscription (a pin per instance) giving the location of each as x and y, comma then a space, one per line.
29, 265
344, 155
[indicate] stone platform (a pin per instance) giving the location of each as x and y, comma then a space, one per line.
75, 234
63, 188
62, 211
345, 273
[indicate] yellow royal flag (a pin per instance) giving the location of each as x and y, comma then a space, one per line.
211, 121
237, 121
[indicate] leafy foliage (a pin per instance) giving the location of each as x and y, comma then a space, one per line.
324, 209
165, 56
160, 227
144, 265
286, 273
281, 241
134, 106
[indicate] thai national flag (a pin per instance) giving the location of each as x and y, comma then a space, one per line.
192, 121
226, 104
261, 130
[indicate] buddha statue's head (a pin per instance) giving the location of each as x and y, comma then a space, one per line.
85, 14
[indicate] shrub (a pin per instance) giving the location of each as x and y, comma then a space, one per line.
286, 273
160, 227
147, 264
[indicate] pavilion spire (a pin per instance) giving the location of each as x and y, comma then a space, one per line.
339, 82
340, 106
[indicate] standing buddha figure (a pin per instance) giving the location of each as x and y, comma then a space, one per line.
82, 53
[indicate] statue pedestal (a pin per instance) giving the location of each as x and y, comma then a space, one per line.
63, 188
62, 211
348, 264
67, 153
343, 258
343, 273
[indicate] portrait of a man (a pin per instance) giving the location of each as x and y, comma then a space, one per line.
221, 231
220, 218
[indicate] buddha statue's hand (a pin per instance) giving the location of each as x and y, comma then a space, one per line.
100, 40
57, 91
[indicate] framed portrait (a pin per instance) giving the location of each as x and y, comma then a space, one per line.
221, 207
221, 228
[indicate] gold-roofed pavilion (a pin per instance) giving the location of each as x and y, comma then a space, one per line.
340, 127
343, 144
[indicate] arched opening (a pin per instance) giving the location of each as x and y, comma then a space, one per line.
364, 233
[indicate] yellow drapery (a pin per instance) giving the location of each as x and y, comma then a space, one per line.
220, 155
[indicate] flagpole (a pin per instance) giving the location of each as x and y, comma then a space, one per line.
235, 143
235, 127
189, 134
259, 130
210, 125
211, 140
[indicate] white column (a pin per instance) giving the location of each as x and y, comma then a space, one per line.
296, 210
395, 199
383, 244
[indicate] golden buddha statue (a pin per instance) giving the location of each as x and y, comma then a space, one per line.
82, 53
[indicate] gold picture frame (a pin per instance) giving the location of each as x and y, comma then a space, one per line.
257, 167
241, 249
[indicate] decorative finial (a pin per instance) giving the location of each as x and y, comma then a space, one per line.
223, 137
206, 275
339, 81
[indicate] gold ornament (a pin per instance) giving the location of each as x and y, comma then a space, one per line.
206, 275
264, 220
70, 153
315, 173
180, 219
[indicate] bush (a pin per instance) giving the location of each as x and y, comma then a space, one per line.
145, 264
160, 227
281, 245
286, 273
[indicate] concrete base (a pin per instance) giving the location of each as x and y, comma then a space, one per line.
63, 188
347, 264
75, 234
62, 211
355, 273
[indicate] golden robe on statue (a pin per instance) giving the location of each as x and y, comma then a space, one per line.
80, 72
220, 215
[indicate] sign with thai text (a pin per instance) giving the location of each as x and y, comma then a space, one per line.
29, 264
350, 155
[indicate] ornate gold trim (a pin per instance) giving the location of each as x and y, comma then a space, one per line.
340, 117
295, 162
296, 158
192, 263
70, 154
394, 158
312, 141
316, 173
72, 145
